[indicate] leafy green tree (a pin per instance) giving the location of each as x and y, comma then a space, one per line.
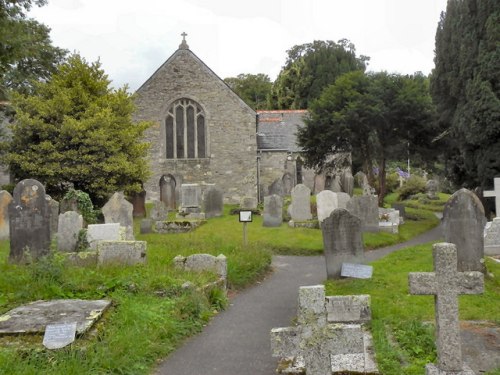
465, 86
310, 68
26, 51
77, 131
252, 88
373, 116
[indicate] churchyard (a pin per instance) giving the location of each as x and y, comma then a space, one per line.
156, 300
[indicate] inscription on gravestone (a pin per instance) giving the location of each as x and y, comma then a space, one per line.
58, 336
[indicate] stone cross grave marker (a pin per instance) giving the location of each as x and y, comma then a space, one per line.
5, 199
313, 338
495, 193
273, 211
446, 283
463, 225
300, 210
342, 241
29, 218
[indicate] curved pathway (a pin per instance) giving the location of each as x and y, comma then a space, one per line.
237, 341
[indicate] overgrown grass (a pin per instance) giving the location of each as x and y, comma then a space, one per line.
403, 337
151, 312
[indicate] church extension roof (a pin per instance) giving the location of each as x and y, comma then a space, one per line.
276, 129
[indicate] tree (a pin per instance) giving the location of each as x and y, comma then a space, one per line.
77, 131
310, 68
252, 88
465, 86
26, 52
371, 115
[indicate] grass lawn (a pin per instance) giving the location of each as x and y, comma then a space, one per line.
151, 311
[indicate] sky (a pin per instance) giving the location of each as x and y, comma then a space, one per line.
132, 39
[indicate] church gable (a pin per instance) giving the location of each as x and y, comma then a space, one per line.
202, 133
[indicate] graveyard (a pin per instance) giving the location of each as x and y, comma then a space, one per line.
154, 302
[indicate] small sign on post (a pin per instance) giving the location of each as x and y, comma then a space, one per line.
245, 217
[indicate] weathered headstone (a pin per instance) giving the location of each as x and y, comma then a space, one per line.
342, 241
431, 189
347, 182
335, 184
203, 262
276, 187
463, 225
29, 218
159, 211
287, 183
359, 179
492, 237
273, 211
146, 226
318, 348
191, 197
5, 199
248, 203
326, 202
70, 224
167, 191
138, 201
119, 210
213, 202
446, 283
342, 199
495, 193
366, 208
121, 252
300, 210
54, 215
103, 232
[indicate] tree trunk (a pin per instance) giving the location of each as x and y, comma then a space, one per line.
381, 181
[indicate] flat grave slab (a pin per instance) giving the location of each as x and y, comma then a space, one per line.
35, 316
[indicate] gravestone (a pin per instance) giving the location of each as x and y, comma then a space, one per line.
191, 198
29, 218
463, 225
248, 203
5, 199
335, 184
402, 211
203, 262
446, 283
121, 252
342, 199
495, 193
316, 347
300, 209
347, 182
359, 179
146, 226
492, 237
119, 210
287, 183
366, 208
273, 211
342, 241
159, 211
58, 336
326, 202
70, 224
103, 232
276, 187
54, 215
356, 271
167, 191
213, 202
431, 189
138, 201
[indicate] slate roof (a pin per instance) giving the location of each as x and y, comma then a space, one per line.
276, 129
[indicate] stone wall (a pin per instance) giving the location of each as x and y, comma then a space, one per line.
230, 125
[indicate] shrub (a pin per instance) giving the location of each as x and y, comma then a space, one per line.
414, 185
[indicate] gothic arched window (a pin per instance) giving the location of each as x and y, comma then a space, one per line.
185, 131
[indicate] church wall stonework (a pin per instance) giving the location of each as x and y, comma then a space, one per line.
230, 127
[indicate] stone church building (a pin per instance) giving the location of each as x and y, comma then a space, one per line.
204, 133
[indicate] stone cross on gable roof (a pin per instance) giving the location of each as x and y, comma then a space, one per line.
446, 283
313, 339
183, 44
495, 193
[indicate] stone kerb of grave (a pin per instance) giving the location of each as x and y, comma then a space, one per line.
446, 283
322, 342
204, 262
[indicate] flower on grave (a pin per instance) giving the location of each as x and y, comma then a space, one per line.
384, 217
